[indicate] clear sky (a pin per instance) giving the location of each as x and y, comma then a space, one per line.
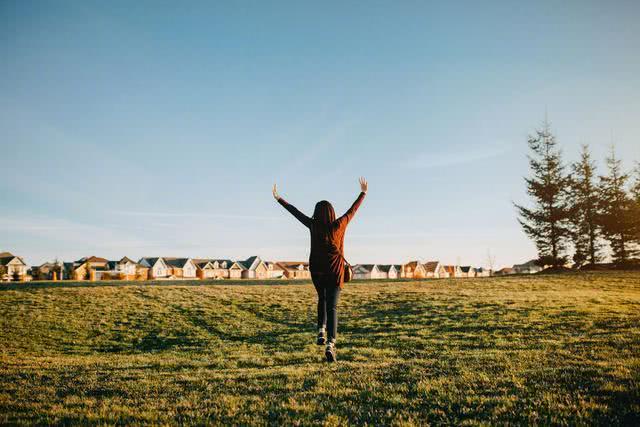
157, 128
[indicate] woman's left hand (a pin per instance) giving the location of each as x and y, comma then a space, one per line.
363, 185
275, 192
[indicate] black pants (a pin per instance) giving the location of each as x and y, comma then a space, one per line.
328, 293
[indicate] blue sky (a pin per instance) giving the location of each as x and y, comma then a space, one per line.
158, 128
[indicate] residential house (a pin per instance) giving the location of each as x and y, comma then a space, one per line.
254, 268
453, 271
86, 268
158, 268
435, 270
204, 269
504, 271
482, 272
387, 271
276, 271
222, 268
181, 267
414, 270
236, 270
48, 271
366, 271
467, 271
529, 267
124, 269
398, 271
12, 267
295, 269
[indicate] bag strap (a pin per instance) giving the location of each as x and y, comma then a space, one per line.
345, 261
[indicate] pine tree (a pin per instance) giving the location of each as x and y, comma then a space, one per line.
585, 204
617, 219
547, 221
635, 194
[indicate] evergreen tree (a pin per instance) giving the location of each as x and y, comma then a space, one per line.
585, 204
547, 221
617, 219
635, 194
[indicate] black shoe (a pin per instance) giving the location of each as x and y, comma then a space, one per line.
321, 338
330, 352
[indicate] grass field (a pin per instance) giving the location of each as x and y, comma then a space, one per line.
544, 349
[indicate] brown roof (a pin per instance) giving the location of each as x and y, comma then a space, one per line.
431, 266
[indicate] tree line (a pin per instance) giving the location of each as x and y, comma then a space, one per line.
576, 213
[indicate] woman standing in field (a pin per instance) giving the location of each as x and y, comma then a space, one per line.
326, 261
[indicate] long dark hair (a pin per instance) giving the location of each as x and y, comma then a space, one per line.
324, 213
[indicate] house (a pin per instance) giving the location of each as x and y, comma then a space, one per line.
467, 271
414, 270
236, 270
48, 271
398, 271
435, 270
276, 271
529, 267
12, 267
388, 271
482, 272
86, 268
124, 269
158, 268
181, 267
366, 271
204, 269
254, 268
295, 269
453, 271
221, 268
504, 271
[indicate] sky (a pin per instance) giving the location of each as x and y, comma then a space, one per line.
158, 128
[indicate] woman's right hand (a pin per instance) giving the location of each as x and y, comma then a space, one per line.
363, 185
275, 192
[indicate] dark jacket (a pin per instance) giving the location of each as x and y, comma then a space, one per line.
327, 240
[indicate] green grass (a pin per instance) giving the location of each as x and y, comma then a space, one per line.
545, 349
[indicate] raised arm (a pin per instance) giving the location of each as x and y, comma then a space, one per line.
348, 215
292, 209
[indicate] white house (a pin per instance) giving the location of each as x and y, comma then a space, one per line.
482, 272
125, 267
12, 267
368, 271
388, 271
158, 268
467, 271
528, 267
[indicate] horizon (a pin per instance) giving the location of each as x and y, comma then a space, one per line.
148, 129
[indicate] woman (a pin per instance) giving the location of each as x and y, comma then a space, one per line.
326, 260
